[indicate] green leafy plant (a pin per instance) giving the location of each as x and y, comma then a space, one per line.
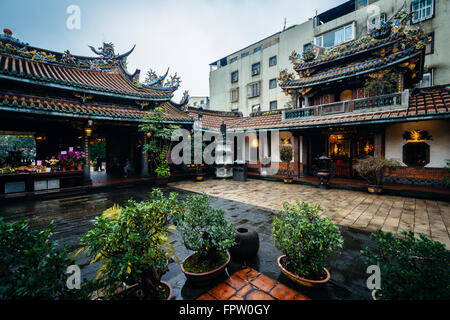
411, 268
133, 245
305, 238
373, 168
286, 155
382, 83
159, 139
32, 266
205, 231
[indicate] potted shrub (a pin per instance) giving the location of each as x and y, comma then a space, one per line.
32, 266
372, 169
286, 155
133, 245
411, 268
306, 240
159, 142
205, 231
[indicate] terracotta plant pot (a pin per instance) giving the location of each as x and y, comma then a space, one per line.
375, 189
288, 180
80, 167
247, 244
161, 181
302, 281
205, 276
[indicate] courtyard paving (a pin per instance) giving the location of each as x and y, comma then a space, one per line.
354, 209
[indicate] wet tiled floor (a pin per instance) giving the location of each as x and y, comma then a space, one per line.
75, 215
248, 284
355, 209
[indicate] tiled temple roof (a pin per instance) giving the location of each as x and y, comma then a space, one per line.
212, 119
65, 108
433, 102
391, 45
105, 74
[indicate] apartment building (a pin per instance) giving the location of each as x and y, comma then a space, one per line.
199, 102
246, 80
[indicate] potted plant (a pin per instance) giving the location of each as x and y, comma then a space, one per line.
306, 240
286, 155
133, 245
33, 267
411, 268
205, 231
372, 169
158, 142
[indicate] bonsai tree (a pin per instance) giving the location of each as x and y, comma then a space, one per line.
372, 168
32, 266
305, 238
206, 231
411, 268
286, 155
133, 245
159, 140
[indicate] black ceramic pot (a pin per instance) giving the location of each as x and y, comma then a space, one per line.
247, 244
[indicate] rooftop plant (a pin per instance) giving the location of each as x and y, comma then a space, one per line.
205, 231
305, 238
133, 245
411, 268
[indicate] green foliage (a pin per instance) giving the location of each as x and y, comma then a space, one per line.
12, 143
382, 83
372, 168
132, 243
286, 155
159, 141
447, 178
411, 268
204, 229
305, 238
31, 266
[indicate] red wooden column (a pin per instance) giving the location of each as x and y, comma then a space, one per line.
378, 145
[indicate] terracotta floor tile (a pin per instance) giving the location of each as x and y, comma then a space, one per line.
258, 295
243, 273
244, 290
301, 297
206, 296
264, 283
222, 291
281, 292
236, 282
236, 298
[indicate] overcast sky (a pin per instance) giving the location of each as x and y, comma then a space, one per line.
183, 35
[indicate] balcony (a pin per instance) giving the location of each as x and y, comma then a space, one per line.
394, 101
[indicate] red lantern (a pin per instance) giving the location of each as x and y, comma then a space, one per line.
7, 31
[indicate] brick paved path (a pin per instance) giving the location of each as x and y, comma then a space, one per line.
348, 208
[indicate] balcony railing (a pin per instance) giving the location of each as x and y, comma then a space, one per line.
379, 103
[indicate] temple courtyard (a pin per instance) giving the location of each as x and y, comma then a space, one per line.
359, 210
251, 204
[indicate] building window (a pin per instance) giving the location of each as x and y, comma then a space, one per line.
422, 10
245, 54
253, 90
234, 59
429, 49
234, 77
307, 47
235, 95
256, 70
336, 36
416, 154
272, 61
256, 108
360, 4
273, 105
257, 49
272, 83
202, 102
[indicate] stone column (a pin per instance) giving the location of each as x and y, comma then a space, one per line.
144, 159
303, 156
87, 165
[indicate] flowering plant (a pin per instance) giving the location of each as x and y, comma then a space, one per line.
71, 158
